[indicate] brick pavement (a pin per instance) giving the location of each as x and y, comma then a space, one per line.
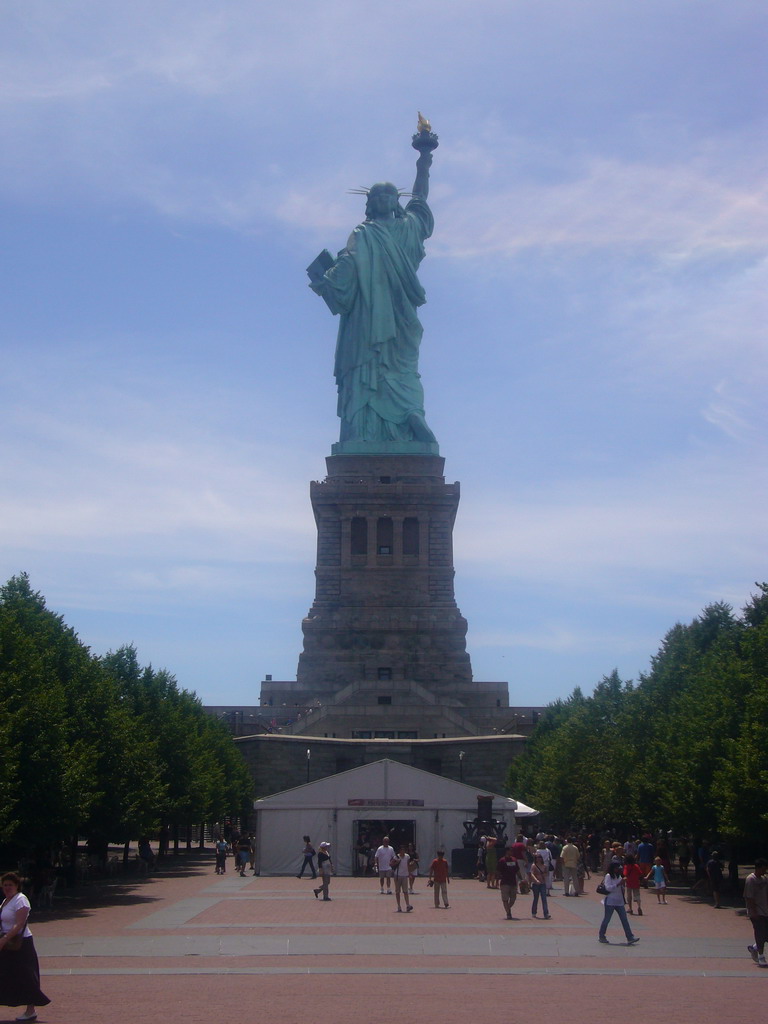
190, 945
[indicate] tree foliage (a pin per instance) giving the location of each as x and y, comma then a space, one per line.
99, 747
686, 747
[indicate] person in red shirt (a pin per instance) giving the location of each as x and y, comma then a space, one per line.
633, 875
439, 877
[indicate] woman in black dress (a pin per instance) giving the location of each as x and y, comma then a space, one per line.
19, 969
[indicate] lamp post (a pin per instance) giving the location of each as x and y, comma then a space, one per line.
461, 766
309, 756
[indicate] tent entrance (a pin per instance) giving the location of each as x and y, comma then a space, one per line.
367, 834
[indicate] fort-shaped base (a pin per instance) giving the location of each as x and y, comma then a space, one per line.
384, 641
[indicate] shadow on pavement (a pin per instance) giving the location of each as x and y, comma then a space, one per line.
134, 890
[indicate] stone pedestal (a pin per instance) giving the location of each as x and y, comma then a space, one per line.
384, 608
384, 641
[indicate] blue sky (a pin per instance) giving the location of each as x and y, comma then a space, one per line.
594, 357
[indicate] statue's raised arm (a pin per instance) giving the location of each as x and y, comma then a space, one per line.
373, 287
425, 141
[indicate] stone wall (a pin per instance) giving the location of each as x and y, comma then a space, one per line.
279, 762
384, 610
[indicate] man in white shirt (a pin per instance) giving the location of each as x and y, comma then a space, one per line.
383, 858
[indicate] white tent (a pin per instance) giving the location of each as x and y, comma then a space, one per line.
367, 800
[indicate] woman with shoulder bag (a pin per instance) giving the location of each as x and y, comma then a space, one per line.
539, 886
613, 901
19, 969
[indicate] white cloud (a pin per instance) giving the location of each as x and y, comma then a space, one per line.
682, 210
674, 518
730, 412
146, 479
119, 101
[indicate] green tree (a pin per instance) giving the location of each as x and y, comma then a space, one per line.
100, 748
203, 775
50, 767
578, 762
741, 778
684, 748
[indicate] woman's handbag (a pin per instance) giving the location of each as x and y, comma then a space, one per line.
601, 889
524, 888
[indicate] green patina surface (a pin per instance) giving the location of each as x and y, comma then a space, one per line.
373, 287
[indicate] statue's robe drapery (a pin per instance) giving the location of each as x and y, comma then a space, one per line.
374, 287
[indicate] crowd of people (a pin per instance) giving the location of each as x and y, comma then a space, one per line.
572, 859
531, 866
241, 846
624, 868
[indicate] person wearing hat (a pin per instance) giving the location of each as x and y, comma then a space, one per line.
325, 868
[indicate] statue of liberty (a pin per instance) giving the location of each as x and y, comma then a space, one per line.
372, 285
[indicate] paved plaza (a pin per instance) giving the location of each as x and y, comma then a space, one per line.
191, 946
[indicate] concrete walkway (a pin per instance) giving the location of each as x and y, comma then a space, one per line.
192, 946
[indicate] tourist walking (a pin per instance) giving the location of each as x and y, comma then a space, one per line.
325, 867
555, 847
520, 853
439, 877
549, 865
613, 902
633, 878
399, 865
539, 886
413, 865
582, 871
715, 876
660, 880
222, 849
383, 860
491, 861
19, 968
756, 897
480, 863
571, 856
645, 855
509, 876
243, 853
683, 857
606, 856
308, 853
